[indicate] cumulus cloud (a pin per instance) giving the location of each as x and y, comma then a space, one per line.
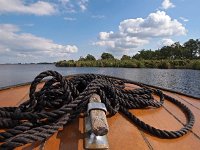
166, 4
157, 24
137, 32
15, 43
19, 6
119, 42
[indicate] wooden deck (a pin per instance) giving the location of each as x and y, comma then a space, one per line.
123, 134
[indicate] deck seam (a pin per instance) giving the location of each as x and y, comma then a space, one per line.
146, 140
187, 102
197, 136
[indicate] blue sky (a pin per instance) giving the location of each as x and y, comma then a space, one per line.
52, 30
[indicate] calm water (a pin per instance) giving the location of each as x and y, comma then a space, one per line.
186, 81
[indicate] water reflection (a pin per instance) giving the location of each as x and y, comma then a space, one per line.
187, 81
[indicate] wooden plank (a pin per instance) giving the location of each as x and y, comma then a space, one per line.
179, 114
124, 135
70, 137
162, 119
191, 101
12, 96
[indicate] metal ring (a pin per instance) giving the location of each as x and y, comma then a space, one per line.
96, 106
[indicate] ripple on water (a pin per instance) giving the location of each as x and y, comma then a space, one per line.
186, 81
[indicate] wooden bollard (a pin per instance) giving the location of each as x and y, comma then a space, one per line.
98, 118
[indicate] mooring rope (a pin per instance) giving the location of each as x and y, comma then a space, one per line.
62, 99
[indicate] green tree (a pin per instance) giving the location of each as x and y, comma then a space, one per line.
177, 50
166, 52
71, 61
107, 56
126, 57
145, 54
192, 48
90, 57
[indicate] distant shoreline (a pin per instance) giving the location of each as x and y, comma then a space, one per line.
28, 64
133, 63
149, 64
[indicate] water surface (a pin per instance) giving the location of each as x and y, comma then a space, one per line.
186, 81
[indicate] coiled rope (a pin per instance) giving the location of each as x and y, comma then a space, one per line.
62, 99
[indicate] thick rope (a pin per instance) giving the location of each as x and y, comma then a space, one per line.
63, 99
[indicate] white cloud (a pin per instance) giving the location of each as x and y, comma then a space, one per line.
15, 43
42, 7
184, 19
69, 19
157, 24
19, 6
119, 42
83, 4
166, 4
105, 35
137, 32
165, 42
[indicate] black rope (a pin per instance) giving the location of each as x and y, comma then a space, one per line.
62, 99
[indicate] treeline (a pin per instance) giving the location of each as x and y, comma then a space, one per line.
186, 56
189, 50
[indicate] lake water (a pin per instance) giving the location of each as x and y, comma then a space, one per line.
186, 81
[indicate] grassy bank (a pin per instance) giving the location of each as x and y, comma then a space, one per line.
133, 63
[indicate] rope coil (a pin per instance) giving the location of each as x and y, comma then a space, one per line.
61, 100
